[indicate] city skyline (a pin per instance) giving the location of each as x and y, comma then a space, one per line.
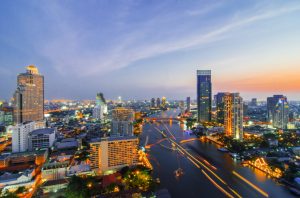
151, 50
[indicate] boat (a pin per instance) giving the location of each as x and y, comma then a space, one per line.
178, 172
294, 191
163, 134
223, 149
157, 180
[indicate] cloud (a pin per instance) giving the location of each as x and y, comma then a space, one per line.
68, 52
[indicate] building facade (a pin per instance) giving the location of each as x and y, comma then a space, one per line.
100, 110
20, 133
204, 95
41, 138
152, 104
29, 96
6, 116
271, 103
158, 102
281, 114
188, 104
114, 153
233, 115
163, 102
122, 122
220, 107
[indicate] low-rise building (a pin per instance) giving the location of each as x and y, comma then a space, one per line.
54, 170
41, 138
12, 181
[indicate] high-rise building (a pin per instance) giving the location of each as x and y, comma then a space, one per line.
41, 138
181, 107
29, 96
114, 153
271, 103
188, 104
220, 106
281, 113
100, 110
158, 102
253, 102
6, 115
163, 102
122, 122
204, 95
233, 115
152, 105
20, 133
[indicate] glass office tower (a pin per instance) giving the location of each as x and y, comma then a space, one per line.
204, 95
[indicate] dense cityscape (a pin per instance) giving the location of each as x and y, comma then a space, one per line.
64, 148
171, 130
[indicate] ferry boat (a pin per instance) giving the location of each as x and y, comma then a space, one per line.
158, 180
223, 149
178, 172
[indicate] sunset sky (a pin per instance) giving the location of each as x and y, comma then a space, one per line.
149, 48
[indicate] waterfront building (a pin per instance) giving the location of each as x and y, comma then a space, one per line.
122, 122
220, 108
281, 114
29, 96
41, 138
20, 133
188, 104
181, 107
233, 115
204, 95
113, 153
100, 110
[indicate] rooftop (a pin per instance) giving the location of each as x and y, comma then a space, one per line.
43, 131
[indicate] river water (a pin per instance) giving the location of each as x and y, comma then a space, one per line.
194, 183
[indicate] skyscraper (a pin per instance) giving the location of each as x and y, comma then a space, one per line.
181, 107
204, 95
253, 102
163, 102
281, 113
271, 103
100, 110
29, 96
152, 105
233, 115
122, 122
188, 104
158, 102
220, 106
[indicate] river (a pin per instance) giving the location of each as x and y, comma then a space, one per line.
207, 172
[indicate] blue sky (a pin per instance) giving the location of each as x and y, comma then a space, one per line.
142, 49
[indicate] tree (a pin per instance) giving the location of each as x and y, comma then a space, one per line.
77, 188
8, 194
20, 190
